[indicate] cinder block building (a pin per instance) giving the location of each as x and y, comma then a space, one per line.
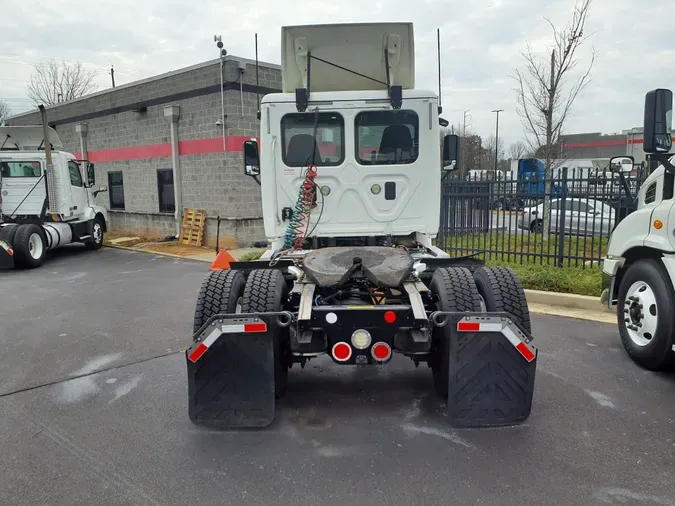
135, 134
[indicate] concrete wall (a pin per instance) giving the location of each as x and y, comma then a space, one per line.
124, 137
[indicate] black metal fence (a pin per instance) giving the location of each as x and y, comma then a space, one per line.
506, 219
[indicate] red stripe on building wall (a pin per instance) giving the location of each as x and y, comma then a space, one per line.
234, 144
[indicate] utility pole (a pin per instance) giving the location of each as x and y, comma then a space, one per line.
112, 75
497, 138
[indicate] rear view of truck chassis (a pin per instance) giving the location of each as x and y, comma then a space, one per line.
359, 305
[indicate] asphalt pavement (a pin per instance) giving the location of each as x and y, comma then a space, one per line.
93, 410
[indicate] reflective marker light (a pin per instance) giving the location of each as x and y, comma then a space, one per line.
390, 317
361, 339
381, 352
342, 352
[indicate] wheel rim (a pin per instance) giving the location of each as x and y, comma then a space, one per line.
538, 227
640, 313
98, 233
483, 307
35, 246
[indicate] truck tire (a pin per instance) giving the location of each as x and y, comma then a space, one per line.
7, 233
501, 291
221, 292
30, 246
454, 290
646, 297
96, 241
266, 291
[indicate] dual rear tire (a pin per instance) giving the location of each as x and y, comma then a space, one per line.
455, 289
265, 291
29, 243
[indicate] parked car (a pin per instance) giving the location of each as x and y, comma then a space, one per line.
582, 217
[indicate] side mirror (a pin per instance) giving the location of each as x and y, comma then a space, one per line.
621, 164
251, 158
443, 122
450, 152
91, 174
658, 121
101, 189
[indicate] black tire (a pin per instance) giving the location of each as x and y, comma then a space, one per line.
502, 291
7, 233
537, 227
657, 354
220, 292
30, 246
454, 290
266, 291
96, 241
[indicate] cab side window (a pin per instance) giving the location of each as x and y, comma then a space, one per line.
75, 174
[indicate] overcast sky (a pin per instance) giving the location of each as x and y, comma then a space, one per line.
481, 40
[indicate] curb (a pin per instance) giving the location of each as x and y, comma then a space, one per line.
140, 250
568, 300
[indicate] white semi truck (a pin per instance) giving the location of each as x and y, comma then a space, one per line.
46, 197
639, 270
350, 167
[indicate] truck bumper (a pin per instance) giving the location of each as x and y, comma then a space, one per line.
6, 256
231, 366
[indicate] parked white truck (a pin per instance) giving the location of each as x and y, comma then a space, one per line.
639, 270
46, 197
350, 167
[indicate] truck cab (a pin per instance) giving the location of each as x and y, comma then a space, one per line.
639, 270
55, 202
349, 114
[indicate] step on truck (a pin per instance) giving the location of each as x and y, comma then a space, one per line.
46, 197
349, 163
639, 269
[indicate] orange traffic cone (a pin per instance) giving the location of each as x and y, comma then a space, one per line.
222, 261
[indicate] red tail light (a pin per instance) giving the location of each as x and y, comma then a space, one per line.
342, 352
381, 352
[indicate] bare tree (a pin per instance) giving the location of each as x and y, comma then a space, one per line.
5, 110
517, 150
488, 152
52, 82
546, 91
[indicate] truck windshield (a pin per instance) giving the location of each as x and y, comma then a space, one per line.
387, 137
299, 145
20, 169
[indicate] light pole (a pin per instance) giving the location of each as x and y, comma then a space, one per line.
222, 53
497, 137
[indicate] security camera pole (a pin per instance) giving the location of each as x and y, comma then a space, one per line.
218, 39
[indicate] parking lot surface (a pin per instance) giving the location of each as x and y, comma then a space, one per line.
93, 410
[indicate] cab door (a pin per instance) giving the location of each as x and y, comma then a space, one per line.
78, 191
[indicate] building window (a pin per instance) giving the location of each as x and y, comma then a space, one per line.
167, 204
116, 190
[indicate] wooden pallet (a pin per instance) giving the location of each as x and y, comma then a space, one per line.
192, 230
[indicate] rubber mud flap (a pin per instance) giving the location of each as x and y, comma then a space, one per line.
6, 260
232, 384
490, 383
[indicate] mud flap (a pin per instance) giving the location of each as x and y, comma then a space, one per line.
231, 372
6, 256
492, 369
